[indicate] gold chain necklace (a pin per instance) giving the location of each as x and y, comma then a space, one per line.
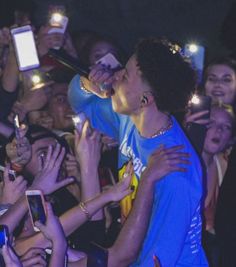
164, 129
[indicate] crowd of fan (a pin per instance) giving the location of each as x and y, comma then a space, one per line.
78, 171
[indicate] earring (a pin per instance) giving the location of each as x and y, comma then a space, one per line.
144, 100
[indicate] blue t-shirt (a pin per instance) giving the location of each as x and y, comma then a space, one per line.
174, 232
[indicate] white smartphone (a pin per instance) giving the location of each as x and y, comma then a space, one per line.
58, 22
36, 205
24, 44
109, 60
196, 54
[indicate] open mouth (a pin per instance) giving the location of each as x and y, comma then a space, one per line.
218, 93
215, 140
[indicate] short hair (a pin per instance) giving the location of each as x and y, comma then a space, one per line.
171, 78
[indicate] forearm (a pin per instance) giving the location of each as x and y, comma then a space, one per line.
10, 76
133, 232
90, 187
14, 214
58, 254
75, 217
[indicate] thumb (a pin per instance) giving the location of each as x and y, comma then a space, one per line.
65, 182
85, 129
6, 177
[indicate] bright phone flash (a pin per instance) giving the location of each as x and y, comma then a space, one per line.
193, 48
36, 79
195, 100
56, 18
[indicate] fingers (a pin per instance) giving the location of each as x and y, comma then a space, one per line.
129, 168
196, 116
32, 252
37, 260
40, 226
85, 129
64, 182
6, 176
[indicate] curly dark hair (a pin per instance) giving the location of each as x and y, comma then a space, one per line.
171, 77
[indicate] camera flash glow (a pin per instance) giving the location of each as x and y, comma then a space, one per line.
36, 79
193, 48
195, 100
76, 119
57, 17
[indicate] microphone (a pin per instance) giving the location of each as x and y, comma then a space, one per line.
68, 61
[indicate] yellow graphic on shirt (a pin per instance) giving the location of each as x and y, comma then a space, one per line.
126, 203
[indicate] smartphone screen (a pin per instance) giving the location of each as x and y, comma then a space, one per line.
26, 52
36, 207
3, 235
201, 103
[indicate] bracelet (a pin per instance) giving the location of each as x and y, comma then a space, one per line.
83, 88
84, 209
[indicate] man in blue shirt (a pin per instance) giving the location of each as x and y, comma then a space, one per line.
155, 81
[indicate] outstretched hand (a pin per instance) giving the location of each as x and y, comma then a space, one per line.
12, 190
88, 147
47, 178
165, 160
52, 230
122, 188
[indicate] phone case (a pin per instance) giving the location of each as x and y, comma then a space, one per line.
109, 60
36, 205
58, 27
24, 44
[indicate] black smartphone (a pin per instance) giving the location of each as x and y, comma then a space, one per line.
36, 204
200, 103
3, 235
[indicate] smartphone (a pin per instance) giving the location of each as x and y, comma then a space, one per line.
200, 103
25, 48
79, 120
4, 235
58, 22
36, 205
196, 55
12, 173
109, 61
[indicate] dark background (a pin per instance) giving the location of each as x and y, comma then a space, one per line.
129, 20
